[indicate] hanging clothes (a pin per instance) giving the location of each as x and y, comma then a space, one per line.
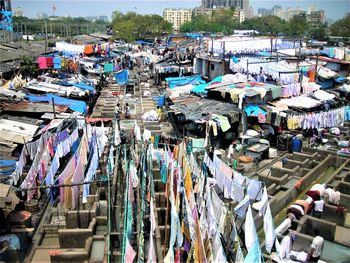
269, 229
250, 235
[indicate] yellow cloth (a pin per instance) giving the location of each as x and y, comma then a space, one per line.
68, 193
188, 182
235, 94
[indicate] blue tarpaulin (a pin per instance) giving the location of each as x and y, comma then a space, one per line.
84, 86
340, 79
264, 54
81, 85
201, 88
143, 42
75, 105
122, 77
7, 167
4, 162
181, 81
254, 110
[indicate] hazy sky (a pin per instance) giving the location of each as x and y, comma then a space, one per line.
335, 9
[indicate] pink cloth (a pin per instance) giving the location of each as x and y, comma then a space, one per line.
68, 171
129, 252
42, 63
78, 176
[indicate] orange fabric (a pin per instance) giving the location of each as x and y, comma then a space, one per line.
88, 49
188, 183
312, 75
305, 204
298, 184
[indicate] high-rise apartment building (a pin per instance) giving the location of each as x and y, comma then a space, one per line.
177, 16
18, 11
264, 12
289, 13
209, 12
316, 17
238, 4
275, 9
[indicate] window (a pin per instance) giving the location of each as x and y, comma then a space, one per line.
212, 66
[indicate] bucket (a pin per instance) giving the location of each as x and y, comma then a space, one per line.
161, 100
20, 218
31, 205
296, 145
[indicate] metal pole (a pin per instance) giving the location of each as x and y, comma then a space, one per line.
46, 37
53, 106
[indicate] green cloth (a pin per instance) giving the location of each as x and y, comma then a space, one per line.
276, 91
197, 143
109, 67
163, 173
224, 124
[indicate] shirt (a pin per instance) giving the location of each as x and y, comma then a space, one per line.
319, 205
331, 194
127, 111
285, 247
318, 187
317, 244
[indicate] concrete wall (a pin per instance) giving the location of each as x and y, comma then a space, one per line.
80, 218
73, 256
75, 238
308, 224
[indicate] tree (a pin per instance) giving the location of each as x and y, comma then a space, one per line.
28, 67
296, 27
318, 32
266, 25
222, 20
341, 27
132, 26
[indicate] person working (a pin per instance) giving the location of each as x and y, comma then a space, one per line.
318, 208
117, 112
316, 247
127, 111
331, 196
159, 112
286, 245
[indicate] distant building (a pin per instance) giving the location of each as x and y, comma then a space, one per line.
209, 12
275, 9
177, 16
104, 18
289, 13
239, 14
202, 11
316, 17
91, 18
18, 11
41, 16
264, 12
250, 13
311, 9
240, 4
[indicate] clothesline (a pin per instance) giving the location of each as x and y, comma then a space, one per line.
59, 185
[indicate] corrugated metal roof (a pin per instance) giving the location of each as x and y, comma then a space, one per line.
25, 106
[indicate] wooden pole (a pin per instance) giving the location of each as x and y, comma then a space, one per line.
45, 36
166, 218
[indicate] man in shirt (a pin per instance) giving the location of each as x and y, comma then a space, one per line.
318, 208
286, 245
316, 247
